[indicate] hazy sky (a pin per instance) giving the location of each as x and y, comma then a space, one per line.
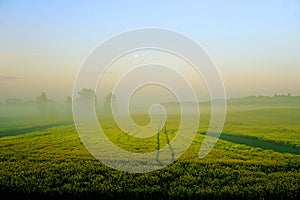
255, 44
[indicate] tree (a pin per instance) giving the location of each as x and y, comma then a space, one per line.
108, 101
42, 102
86, 95
68, 104
68, 100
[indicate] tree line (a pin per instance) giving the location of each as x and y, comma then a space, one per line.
45, 106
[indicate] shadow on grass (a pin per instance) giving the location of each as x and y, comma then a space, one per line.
256, 142
19, 131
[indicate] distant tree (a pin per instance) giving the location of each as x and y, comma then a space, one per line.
68, 100
86, 95
42, 102
68, 104
108, 101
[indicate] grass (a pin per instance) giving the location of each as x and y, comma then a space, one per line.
257, 157
277, 124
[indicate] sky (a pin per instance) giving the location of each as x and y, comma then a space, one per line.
255, 44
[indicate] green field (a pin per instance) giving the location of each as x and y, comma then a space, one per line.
257, 157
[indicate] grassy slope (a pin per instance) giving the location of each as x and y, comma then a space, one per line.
277, 124
53, 162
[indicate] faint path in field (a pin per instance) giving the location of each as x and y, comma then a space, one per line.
19, 131
256, 142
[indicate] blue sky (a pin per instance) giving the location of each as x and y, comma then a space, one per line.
255, 44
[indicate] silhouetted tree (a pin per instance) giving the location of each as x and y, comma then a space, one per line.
86, 95
68, 104
108, 101
42, 102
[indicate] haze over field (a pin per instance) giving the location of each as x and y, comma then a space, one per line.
151, 126
254, 44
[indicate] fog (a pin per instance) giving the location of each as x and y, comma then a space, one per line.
44, 107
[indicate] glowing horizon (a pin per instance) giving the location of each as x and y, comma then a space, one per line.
254, 44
